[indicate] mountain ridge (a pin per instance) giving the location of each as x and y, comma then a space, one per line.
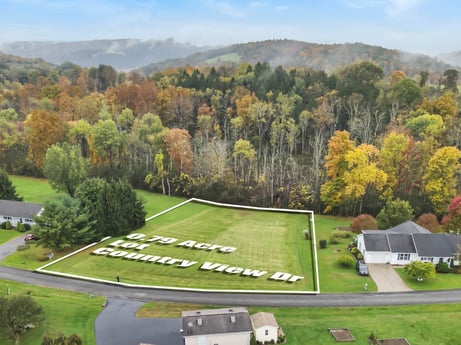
149, 56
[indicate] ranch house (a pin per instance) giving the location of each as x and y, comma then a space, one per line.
217, 327
408, 242
19, 212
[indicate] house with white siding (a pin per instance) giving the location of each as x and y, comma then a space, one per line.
408, 242
265, 327
226, 326
19, 212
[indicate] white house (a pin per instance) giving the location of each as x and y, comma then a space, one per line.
19, 212
227, 326
408, 242
265, 327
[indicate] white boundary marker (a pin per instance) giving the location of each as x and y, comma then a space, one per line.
43, 269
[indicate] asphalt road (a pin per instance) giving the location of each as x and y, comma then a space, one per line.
118, 291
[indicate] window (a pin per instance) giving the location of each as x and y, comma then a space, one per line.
266, 332
403, 257
429, 259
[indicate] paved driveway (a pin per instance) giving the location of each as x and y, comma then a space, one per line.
118, 325
386, 278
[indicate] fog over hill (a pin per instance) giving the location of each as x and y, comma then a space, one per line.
149, 56
122, 54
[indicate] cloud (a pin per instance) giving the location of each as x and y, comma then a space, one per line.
391, 7
225, 8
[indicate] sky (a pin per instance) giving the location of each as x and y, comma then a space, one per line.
420, 26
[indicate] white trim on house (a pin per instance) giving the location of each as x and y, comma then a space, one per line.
19, 212
406, 243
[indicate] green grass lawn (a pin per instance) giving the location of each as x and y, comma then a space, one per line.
6, 235
283, 249
65, 312
420, 325
35, 190
440, 282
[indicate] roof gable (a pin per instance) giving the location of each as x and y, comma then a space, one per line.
263, 319
19, 209
409, 228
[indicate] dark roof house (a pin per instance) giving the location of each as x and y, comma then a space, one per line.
18, 211
231, 323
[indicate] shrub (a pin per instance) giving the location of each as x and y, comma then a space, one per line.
354, 251
8, 225
346, 261
323, 244
3, 225
20, 227
359, 256
22, 247
363, 222
442, 267
27, 227
428, 221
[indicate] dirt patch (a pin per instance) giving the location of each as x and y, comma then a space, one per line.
393, 341
341, 334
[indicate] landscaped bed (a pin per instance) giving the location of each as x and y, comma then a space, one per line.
204, 246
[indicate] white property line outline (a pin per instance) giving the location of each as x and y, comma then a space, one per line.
43, 269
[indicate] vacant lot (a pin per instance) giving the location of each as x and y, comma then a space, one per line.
248, 243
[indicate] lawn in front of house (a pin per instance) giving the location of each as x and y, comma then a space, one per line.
419, 324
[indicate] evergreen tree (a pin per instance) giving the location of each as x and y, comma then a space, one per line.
7, 189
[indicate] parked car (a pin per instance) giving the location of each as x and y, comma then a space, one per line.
362, 268
30, 237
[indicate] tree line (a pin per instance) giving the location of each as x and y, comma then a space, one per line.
345, 142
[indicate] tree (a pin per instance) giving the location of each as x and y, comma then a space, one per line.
332, 191
394, 213
420, 270
244, 154
43, 129
440, 180
363, 222
451, 79
451, 221
112, 205
16, 312
362, 174
65, 168
106, 140
179, 149
62, 224
7, 189
428, 221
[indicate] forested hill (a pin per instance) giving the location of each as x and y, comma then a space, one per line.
122, 54
289, 53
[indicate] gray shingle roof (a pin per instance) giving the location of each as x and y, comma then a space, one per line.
19, 209
216, 321
376, 242
409, 228
401, 243
438, 245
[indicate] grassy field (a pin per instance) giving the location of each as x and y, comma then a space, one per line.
421, 325
283, 249
65, 312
